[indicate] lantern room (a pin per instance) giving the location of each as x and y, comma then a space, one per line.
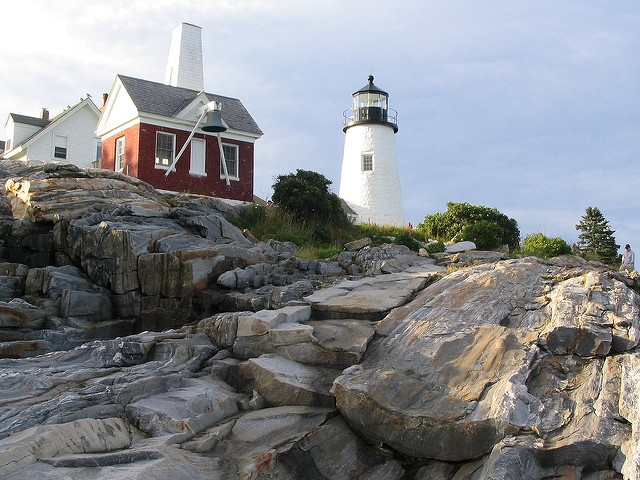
370, 105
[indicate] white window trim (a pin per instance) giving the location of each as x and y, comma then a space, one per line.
204, 160
116, 167
173, 153
237, 159
362, 157
55, 145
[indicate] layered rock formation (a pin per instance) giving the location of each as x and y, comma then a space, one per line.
144, 336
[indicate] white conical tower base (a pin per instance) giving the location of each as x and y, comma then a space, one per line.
374, 195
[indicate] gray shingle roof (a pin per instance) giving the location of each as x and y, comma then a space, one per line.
35, 121
161, 99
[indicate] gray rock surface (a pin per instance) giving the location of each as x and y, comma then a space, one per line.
143, 336
479, 357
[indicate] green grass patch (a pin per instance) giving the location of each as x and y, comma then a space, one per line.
317, 240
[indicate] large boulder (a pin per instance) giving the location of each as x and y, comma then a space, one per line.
56, 190
493, 351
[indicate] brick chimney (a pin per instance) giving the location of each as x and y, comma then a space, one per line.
45, 114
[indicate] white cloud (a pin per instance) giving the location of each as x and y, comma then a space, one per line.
529, 107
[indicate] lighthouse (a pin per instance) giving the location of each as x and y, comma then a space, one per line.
369, 181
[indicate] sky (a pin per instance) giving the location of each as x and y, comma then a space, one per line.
529, 107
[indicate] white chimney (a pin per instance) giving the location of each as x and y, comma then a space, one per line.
184, 67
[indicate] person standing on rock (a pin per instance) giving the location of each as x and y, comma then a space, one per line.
628, 258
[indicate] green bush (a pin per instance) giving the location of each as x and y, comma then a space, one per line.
462, 221
435, 247
405, 238
485, 234
541, 246
306, 195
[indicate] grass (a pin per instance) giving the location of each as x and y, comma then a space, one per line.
319, 240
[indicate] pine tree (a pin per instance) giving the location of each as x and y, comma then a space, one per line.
596, 242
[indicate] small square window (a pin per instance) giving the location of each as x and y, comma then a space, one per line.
367, 162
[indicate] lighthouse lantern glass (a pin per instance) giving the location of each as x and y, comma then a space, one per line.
369, 99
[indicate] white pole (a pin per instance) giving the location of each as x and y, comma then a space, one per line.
175, 160
223, 160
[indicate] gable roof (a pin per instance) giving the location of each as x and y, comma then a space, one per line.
35, 121
46, 125
166, 100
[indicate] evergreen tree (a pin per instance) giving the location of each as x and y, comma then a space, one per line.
596, 242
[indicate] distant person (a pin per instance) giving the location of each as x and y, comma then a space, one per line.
628, 258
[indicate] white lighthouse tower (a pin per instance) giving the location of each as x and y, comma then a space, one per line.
370, 182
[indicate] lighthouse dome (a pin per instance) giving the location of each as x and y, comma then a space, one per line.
370, 105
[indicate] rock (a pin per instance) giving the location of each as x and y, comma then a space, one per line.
261, 322
460, 247
177, 274
20, 314
389, 258
281, 296
96, 380
251, 444
69, 192
332, 343
357, 244
283, 247
522, 368
334, 451
12, 280
455, 376
369, 298
86, 435
186, 410
282, 382
590, 317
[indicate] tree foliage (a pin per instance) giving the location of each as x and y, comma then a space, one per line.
596, 242
306, 195
486, 227
542, 246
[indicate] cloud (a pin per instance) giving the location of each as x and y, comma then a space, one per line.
528, 107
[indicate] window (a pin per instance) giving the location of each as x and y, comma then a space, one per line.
119, 154
59, 146
165, 148
198, 150
367, 162
231, 157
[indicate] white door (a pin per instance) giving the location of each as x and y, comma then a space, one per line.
197, 157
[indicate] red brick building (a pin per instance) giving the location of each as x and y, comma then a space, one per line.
145, 124
150, 130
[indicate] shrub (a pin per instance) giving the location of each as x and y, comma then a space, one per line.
435, 247
457, 223
544, 247
485, 234
306, 195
